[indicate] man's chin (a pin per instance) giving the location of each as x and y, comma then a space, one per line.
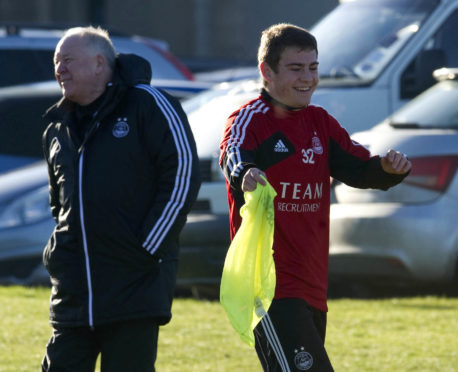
305, 103
300, 102
301, 105
67, 94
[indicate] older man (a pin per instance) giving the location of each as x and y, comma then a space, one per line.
123, 174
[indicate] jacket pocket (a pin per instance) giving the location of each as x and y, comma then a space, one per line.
49, 248
60, 253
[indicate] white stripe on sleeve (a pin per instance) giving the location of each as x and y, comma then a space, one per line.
238, 132
182, 177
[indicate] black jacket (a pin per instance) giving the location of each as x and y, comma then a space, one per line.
120, 193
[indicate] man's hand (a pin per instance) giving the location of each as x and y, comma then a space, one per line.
251, 178
395, 163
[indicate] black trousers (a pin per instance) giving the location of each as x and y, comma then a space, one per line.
124, 346
291, 338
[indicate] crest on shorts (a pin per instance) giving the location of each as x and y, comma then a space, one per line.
303, 360
121, 128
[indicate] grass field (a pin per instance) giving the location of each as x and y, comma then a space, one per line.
399, 334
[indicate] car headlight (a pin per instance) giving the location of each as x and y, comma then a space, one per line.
29, 208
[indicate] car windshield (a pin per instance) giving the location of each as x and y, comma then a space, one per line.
435, 108
360, 37
208, 111
204, 101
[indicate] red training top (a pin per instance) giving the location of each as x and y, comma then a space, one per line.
299, 150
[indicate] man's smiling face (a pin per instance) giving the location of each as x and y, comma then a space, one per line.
296, 78
75, 68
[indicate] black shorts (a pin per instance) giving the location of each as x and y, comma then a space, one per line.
291, 338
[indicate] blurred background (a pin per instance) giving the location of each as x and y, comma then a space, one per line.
204, 34
388, 74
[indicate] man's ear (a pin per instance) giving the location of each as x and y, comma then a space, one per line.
266, 71
101, 61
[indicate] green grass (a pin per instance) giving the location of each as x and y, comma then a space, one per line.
408, 334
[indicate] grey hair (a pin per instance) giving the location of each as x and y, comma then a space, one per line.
97, 39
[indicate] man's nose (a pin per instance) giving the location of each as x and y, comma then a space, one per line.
306, 75
58, 68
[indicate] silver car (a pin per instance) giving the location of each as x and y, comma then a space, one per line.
28, 50
26, 224
409, 232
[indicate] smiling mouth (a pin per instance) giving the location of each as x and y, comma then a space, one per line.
62, 82
303, 89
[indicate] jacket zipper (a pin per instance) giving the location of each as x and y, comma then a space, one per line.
83, 226
83, 231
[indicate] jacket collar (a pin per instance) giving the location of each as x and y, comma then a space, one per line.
265, 94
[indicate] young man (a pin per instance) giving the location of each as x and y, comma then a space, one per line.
123, 174
297, 147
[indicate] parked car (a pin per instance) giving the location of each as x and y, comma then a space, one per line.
228, 74
28, 87
21, 126
375, 56
207, 113
22, 107
25, 219
26, 225
27, 52
408, 233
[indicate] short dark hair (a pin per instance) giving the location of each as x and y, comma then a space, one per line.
276, 38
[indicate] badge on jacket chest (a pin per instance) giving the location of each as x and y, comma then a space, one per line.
120, 128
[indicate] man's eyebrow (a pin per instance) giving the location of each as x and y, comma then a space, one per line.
60, 55
64, 54
298, 64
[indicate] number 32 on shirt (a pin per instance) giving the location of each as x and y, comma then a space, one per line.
307, 156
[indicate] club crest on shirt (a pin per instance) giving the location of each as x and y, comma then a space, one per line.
317, 146
121, 128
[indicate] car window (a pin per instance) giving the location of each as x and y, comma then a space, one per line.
30, 59
19, 66
445, 39
22, 125
435, 108
361, 37
439, 51
208, 111
160, 66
